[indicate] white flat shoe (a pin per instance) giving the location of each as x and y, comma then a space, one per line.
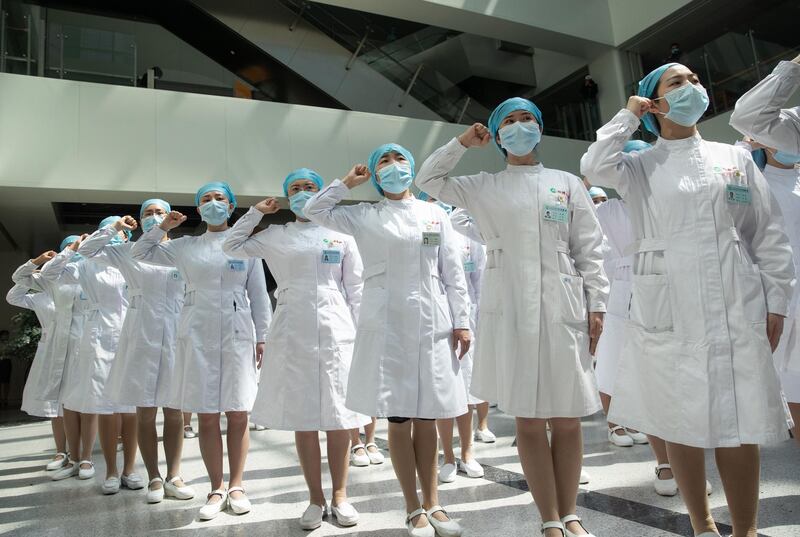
132, 481
179, 493
447, 528
425, 531
709, 534
346, 515
69, 470
574, 518
57, 464
664, 487
241, 505
312, 516
211, 510
375, 457
553, 524
638, 438
447, 473
85, 473
188, 432
471, 467
155, 495
359, 460
111, 485
486, 436
621, 440
585, 477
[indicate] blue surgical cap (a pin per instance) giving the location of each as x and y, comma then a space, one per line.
635, 145
111, 220
423, 196
647, 87
215, 186
760, 158
506, 107
154, 201
68, 240
597, 192
301, 173
376, 155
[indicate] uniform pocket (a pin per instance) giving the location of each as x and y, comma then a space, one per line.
573, 299
751, 290
650, 302
442, 318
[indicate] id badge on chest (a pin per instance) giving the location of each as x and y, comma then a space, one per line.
236, 265
469, 266
431, 238
556, 213
331, 257
738, 194
175, 275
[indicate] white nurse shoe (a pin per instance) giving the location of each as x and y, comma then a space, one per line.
638, 438
359, 459
85, 473
621, 440
584, 478
346, 515
447, 473
471, 467
111, 485
239, 505
132, 481
424, 531
70, 470
155, 495
553, 525
58, 463
312, 516
183, 492
574, 518
486, 436
210, 510
374, 454
444, 528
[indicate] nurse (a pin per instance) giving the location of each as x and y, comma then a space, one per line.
473, 261
758, 112
783, 176
143, 369
598, 195
221, 335
542, 301
711, 284
318, 273
85, 392
413, 327
41, 303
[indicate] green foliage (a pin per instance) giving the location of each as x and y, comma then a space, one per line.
25, 337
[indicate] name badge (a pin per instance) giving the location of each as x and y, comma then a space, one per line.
175, 275
431, 238
556, 213
82, 296
739, 194
236, 265
331, 257
469, 266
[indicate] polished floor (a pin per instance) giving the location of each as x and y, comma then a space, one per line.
619, 500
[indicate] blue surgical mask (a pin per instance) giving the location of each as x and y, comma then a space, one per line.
215, 212
149, 222
687, 104
447, 208
75, 258
396, 178
297, 202
520, 138
787, 159
116, 239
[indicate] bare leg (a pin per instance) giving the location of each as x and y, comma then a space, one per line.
355, 436
109, 432
794, 410
148, 440
338, 461
187, 419
659, 448
483, 415
308, 451
238, 444
72, 428
369, 431
425, 453
739, 470
445, 427
464, 423
210, 438
173, 442
537, 465
89, 424
59, 435
129, 439
689, 468
566, 446
401, 450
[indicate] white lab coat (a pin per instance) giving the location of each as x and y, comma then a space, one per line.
758, 112
226, 311
617, 263
143, 370
87, 374
473, 260
541, 278
414, 295
42, 305
696, 365
307, 363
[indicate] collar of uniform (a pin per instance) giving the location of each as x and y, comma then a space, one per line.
679, 145
395, 203
216, 234
525, 168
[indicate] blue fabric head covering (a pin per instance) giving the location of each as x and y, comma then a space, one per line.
215, 186
382, 150
154, 201
760, 158
423, 196
301, 173
597, 192
68, 240
110, 220
635, 145
506, 107
647, 86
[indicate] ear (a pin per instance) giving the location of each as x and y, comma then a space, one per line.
197, 209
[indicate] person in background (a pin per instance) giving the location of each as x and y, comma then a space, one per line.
598, 195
